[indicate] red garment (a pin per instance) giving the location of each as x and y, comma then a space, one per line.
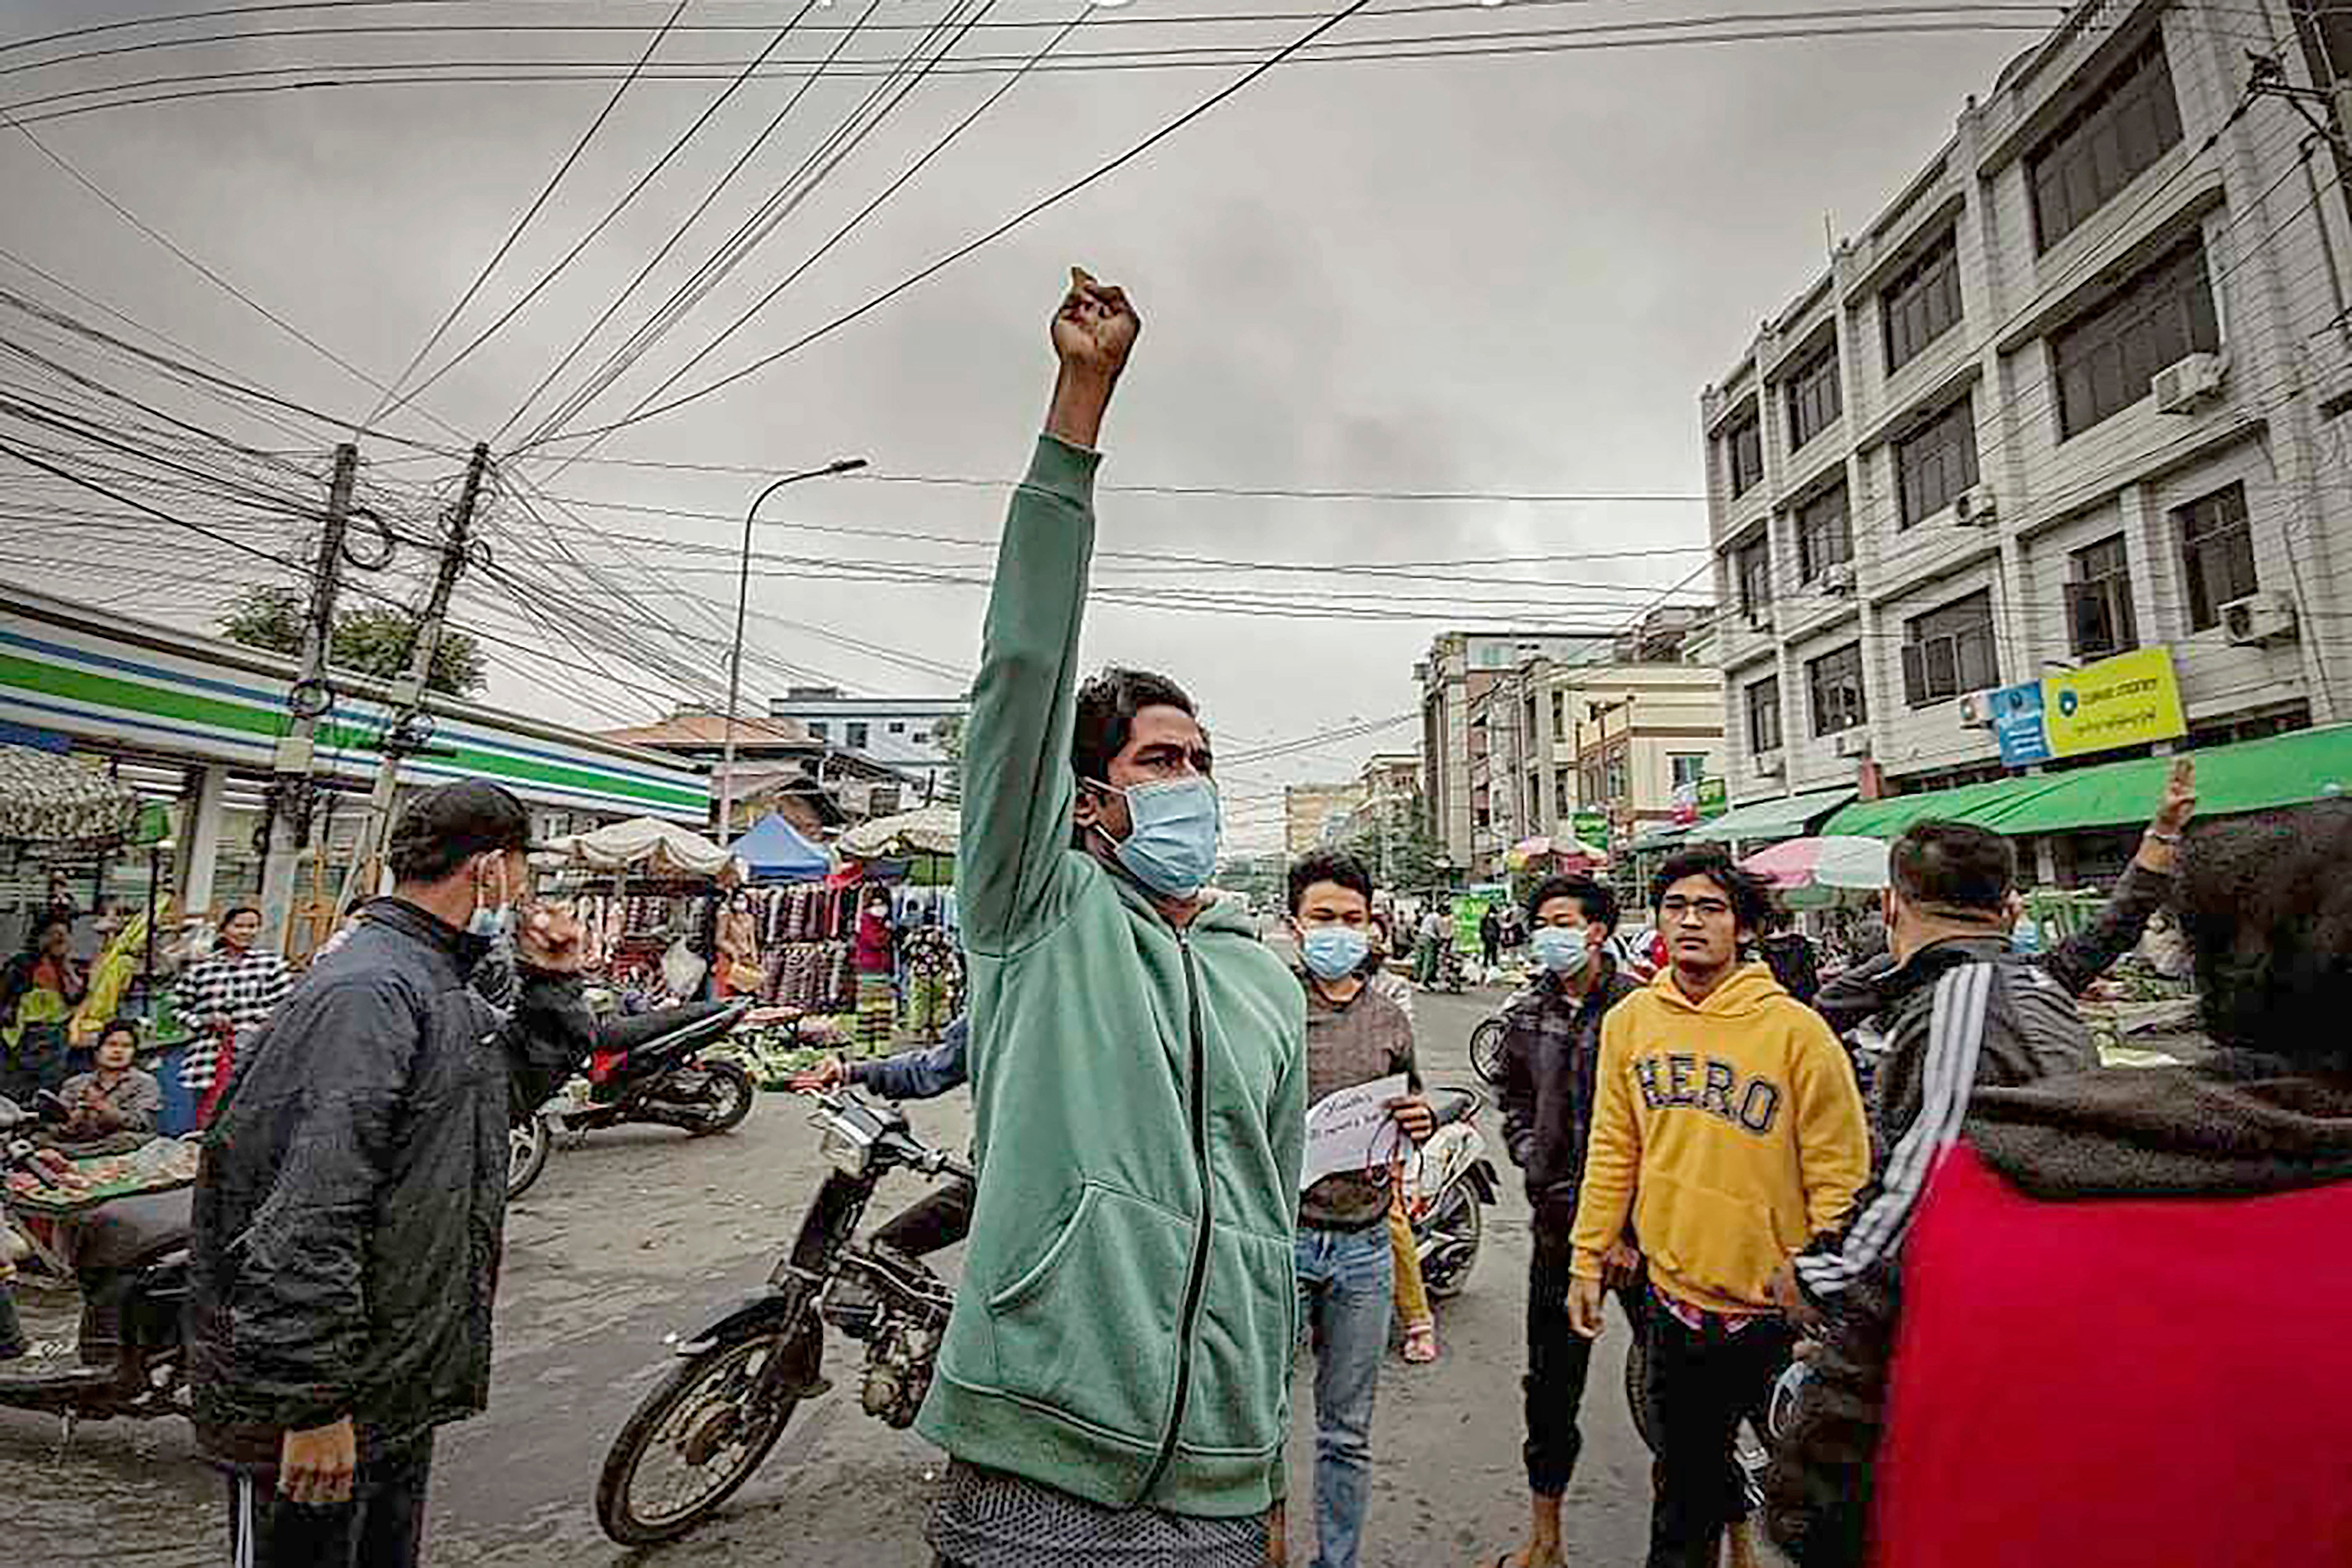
2160, 1383
873, 946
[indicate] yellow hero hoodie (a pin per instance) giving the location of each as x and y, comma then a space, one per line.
1731, 1130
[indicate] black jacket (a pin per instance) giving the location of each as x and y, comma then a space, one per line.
352, 1198
1551, 1048
1963, 1014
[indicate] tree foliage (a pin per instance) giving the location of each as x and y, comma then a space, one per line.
372, 642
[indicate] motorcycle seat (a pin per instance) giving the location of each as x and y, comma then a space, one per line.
623, 1036
1451, 1104
131, 1233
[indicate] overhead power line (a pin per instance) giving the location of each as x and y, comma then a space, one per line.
392, 399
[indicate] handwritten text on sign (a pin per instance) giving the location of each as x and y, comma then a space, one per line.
1350, 1129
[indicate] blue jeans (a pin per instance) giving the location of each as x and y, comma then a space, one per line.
1346, 1278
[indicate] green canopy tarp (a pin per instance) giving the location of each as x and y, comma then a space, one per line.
1783, 816
2251, 775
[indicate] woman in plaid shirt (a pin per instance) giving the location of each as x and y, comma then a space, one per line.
227, 994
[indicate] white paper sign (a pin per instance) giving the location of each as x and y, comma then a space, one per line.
1350, 1129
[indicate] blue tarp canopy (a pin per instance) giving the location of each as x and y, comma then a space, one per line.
776, 852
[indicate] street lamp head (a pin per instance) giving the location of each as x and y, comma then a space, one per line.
844, 465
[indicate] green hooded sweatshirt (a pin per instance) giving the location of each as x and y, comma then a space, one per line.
1123, 1328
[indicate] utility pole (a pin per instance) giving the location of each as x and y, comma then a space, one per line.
406, 734
293, 791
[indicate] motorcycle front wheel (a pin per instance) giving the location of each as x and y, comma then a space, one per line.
728, 1096
1486, 1052
1460, 1229
693, 1441
528, 1143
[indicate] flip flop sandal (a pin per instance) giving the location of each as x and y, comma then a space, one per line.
1420, 1349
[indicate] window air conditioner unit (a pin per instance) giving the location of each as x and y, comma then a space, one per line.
2259, 618
1838, 579
2181, 387
1975, 509
1768, 766
1976, 709
1853, 743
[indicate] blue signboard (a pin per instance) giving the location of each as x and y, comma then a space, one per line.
2017, 725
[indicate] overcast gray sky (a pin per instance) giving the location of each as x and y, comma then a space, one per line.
1490, 273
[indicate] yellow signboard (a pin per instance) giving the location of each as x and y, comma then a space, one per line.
2127, 701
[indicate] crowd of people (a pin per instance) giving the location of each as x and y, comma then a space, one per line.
2048, 1312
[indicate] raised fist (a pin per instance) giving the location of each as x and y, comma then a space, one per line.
1096, 327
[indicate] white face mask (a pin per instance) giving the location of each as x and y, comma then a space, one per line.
1561, 950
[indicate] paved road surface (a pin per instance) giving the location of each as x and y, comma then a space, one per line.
644, 1231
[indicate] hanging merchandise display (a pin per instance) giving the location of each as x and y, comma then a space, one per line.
935, 982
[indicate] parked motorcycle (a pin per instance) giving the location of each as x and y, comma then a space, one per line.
702, 1431
1448, 1191
131, 1264
647, 1068
1486, 1052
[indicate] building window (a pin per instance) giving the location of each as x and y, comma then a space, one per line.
2217, 554
1615, 786
1764, 715
1559, 713
1815, 401
897, 727
1923, 303
1824, 532
1752, 571
1590, 777
2099, 619
1563, 788
819, 729
2106, 362
1686, 767
1834, 681
1935, 463
2130, 122
920, 737
1949, 650
1743, 448
855, 740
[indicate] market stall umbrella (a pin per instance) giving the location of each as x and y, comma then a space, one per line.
1571, 854
643, 844
932, 830
50, 797
1834, 861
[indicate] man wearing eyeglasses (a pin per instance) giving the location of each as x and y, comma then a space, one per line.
1727, 1127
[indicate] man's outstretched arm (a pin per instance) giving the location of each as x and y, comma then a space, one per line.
1017, 783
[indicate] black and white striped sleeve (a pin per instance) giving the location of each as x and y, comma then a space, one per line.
1955, 1041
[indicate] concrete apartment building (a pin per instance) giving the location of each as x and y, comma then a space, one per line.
1552, 741
1461, 668
901, 733
1313, 812
2076, 391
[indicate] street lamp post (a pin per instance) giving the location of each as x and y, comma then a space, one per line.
735, 656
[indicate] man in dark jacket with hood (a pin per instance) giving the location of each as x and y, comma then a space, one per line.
2105, 1341
1956, 987
1552, 1047
353, 1196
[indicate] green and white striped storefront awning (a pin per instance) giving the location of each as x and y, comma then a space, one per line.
107, 681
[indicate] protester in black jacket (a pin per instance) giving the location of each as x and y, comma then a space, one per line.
1552, 1049
1957, 986
352, 1199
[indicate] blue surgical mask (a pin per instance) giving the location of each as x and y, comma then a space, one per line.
1561, 950
1171, 845
1333, 952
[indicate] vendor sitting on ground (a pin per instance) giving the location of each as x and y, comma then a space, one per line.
116, 1097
